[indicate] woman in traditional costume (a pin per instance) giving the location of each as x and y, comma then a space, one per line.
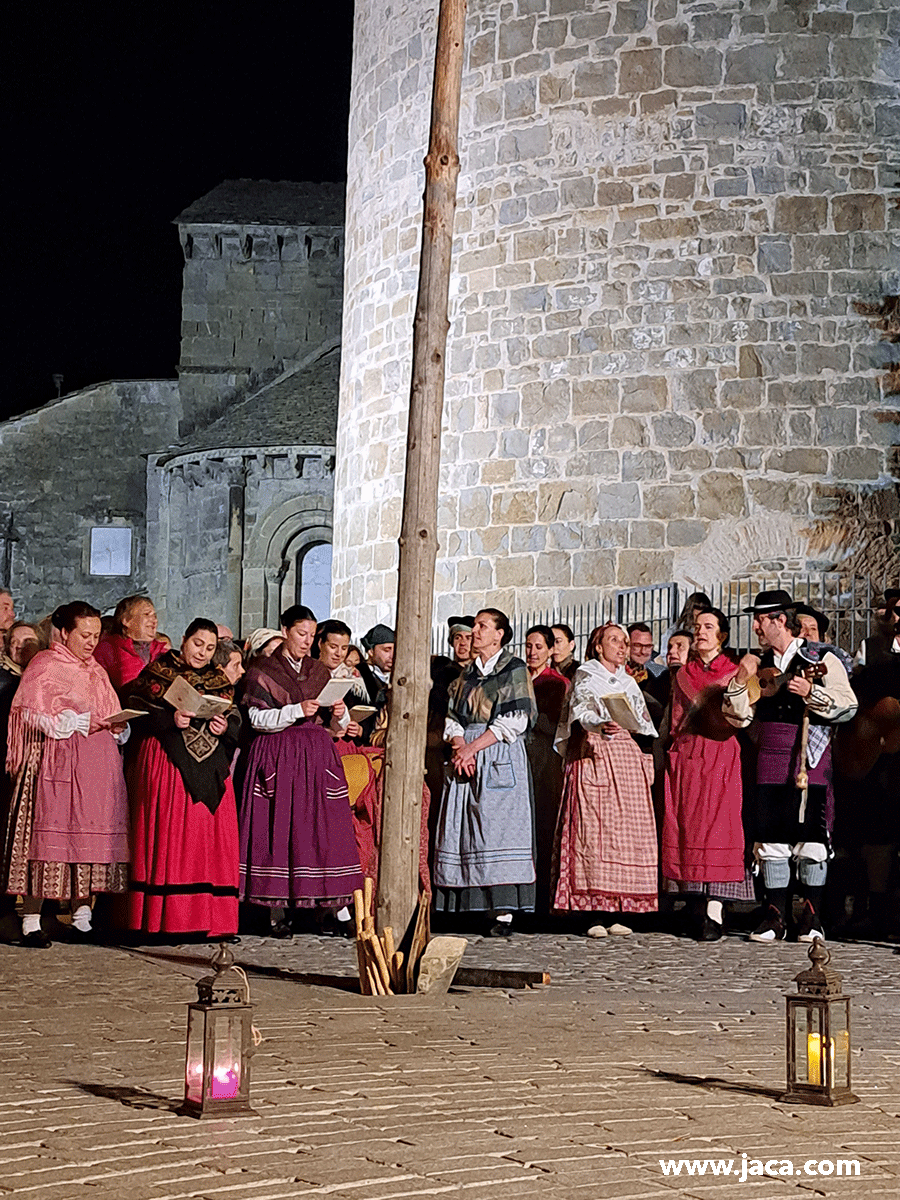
132, 642
297, 842
550, 689
703, 837
67, 832
484, 851
184, 875
605, 855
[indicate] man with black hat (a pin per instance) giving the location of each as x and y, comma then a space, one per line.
885, 641
788, 821
378, 644
460, 637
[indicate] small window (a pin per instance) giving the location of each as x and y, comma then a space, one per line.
110, 550
314, 578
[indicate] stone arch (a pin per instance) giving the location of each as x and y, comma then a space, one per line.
275, 542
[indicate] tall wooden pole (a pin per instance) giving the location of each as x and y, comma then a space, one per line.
404, 765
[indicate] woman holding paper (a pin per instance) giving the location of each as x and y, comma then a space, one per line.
67, 833
184, 872
297, 842
605, 854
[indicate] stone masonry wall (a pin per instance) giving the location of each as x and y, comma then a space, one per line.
255, 300
667, 210
225, 528
74, 464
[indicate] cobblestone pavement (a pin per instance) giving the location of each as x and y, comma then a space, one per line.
641, 1048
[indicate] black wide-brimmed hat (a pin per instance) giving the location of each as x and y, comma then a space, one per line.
460, 624
774, 601
807, 610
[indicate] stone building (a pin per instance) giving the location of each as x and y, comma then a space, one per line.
212, 493
668, 210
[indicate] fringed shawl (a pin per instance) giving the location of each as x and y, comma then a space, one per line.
55, 681
273, 682
202, 759
477, 699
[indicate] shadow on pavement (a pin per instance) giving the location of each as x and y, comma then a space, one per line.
343, 983
131, 1097
712, 1083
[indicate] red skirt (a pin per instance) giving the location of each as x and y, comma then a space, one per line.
184, 870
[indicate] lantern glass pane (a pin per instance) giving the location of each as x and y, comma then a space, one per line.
226, 1077
840, 1036
808, 1045
193, 1070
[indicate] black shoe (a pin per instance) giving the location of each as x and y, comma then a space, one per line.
36, 941
78, 937
772, 927
281, 929
710, 930
330, 926
501, 929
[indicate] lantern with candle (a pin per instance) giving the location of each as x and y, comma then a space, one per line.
818, 1035
219, 1043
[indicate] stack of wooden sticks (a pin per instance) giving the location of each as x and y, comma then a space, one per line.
380, 964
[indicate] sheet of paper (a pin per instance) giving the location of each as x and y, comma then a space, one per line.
127, 714
619, 708
334, 690
185, 698
359, 712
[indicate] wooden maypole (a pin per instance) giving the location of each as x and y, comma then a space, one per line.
404, 765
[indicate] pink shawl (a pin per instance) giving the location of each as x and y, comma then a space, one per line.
53, 681
697, 698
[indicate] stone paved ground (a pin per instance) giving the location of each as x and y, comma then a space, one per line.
640, 1048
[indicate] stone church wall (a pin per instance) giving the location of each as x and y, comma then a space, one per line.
227, 530
667, 211
255, 300
73, 465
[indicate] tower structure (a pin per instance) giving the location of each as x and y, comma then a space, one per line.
667, 213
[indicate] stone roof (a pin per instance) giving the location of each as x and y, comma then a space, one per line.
299, 408
262, 202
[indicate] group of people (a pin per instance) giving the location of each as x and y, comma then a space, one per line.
213, 786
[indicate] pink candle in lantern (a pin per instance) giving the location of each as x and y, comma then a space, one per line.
225, 1084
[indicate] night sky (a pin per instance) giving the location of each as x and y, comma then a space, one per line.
117, 118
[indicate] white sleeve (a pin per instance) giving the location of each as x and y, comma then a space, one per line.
122, 738
65, 724
832, 698
273, 720
587, 709
452, 729
736, 707
861, 654
507, 729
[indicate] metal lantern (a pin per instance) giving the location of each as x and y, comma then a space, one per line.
818, 1035
219, 1043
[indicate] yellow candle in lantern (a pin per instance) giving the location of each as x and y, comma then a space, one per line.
814, 1057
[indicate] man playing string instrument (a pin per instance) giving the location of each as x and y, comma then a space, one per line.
807, 685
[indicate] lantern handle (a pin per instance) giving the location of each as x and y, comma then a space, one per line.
223, 958
819, 954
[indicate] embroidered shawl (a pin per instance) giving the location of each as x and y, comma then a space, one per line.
592, 682
55, 681
202, 760
477, 699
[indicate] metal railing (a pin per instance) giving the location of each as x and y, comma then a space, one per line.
847, 600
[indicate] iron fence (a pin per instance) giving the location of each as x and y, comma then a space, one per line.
847, 600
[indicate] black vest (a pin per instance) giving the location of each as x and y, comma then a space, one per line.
784, 707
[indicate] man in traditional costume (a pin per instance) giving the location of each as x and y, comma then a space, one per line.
484, 848
790, 822
67, 832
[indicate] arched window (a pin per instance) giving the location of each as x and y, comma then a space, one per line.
313, 578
